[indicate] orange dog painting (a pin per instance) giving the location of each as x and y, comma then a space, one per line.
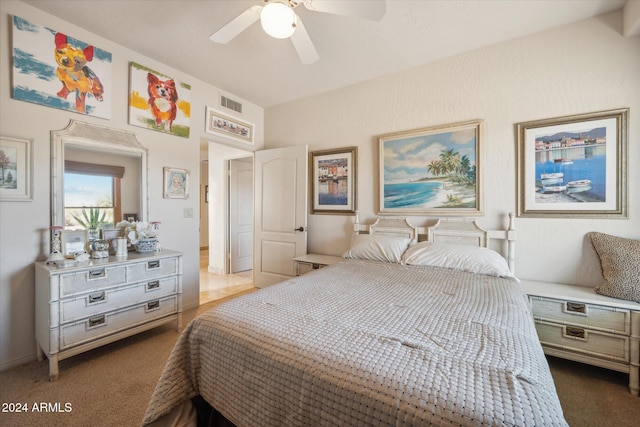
75, 75
54, 69
159, 102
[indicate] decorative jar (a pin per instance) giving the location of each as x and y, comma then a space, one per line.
146, 245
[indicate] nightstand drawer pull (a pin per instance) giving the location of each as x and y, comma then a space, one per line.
153, 285
575, 332
97, 297
152, 305
96, 274
96, 321
574, 307
153, 264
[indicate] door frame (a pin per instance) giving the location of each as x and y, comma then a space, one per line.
218, 210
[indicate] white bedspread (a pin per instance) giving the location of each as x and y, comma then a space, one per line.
364, 343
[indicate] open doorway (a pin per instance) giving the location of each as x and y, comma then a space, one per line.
220, 193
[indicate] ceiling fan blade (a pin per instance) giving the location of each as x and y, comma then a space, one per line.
372, 10
303, 45
237, 25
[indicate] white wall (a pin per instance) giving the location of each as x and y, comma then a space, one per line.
24, 226
584, 67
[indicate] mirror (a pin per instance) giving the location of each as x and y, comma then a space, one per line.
116, 152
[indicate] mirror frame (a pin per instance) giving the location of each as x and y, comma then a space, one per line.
98, 138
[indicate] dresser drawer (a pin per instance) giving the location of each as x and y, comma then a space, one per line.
583, 315
91, 279
109, 323
152, 268
100, 301
582, 340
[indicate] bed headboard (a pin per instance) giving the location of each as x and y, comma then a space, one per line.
459, 231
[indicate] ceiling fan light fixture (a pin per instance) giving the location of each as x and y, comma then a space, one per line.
278, 20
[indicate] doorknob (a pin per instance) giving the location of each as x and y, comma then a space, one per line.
299, 229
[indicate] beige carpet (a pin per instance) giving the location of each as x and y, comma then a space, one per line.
112, 385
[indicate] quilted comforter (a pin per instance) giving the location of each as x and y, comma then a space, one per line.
365, 343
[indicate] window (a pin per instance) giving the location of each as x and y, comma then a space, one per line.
91, 195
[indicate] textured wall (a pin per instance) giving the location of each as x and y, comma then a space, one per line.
584, 67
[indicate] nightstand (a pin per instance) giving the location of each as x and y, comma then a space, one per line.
310, 262
576, 323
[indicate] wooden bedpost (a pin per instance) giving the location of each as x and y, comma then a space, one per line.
511, 239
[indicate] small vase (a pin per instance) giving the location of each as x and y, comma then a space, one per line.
146, 245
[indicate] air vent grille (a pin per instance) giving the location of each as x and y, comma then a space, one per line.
230, 104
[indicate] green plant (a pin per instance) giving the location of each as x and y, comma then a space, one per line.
91, 219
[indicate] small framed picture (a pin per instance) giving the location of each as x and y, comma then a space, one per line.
73, 241
131, 217
16, 172
176, 183
110, 235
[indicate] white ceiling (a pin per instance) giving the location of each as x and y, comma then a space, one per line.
267, 71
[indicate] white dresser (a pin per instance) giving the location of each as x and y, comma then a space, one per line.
576, 323
97, 302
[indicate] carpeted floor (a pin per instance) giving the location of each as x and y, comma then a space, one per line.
112, 385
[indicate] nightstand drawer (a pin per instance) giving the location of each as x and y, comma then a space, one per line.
112, 322
582, 314
583, 340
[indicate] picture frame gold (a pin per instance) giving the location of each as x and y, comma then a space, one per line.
432, 171
573, 166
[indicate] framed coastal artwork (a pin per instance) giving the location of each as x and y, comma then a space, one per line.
221, 124
334, 181
432, 171
73, 241
16, 169
573, 166
159, 102
176, 183
54, 69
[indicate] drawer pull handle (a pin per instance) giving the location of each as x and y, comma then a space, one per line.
97, 297
97, 321
96, 274
153, 264
153, 305
575, 332
574, 307
153, 285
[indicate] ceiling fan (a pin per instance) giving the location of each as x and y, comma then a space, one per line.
279, 20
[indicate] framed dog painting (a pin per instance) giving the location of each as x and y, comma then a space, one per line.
159, 102
53, 69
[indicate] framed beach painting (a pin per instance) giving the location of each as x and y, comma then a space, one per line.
16, 169
573, 166
334, 181
159, 102
432, 171
54, 69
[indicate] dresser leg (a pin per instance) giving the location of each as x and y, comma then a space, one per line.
179, 322
53, 367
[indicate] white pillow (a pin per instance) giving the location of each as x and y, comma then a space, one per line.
378, 247
473, 259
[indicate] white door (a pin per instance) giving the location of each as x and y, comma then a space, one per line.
240, 215
280, 197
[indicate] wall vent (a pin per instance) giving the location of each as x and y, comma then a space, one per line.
230, 104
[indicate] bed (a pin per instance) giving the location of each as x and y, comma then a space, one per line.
415, 327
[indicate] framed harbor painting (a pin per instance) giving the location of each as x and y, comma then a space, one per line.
333, 181
432, 171
574, 166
